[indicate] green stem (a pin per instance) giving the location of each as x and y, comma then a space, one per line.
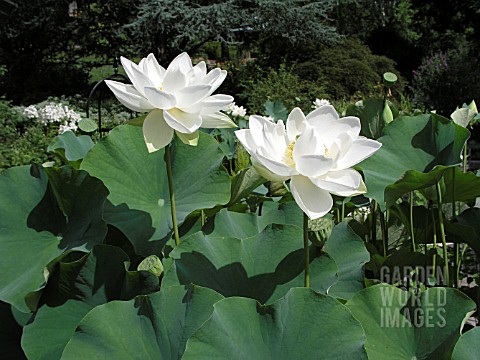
374, 223
384, 233
465, 158
442, 233
464, 248
456, 264
343, 209
306, 249
168, 161
202, 213
387, 217
434, 242
456, 248
412, 233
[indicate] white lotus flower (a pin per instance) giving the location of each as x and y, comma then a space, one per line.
179, 99
315, 153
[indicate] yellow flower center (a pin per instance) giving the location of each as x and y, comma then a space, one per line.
289, 150
288, 155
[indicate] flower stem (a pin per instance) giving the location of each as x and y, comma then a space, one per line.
374, 223
306, 249
384, 233
442, 233
434, 262
465, 158
412, 233
456, 248
168, 162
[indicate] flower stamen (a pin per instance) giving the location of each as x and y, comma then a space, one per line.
288, 155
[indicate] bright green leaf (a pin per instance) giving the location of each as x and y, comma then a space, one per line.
87, 125
46, 337
461, 186
156, 326
243, 183
413, 180
38, 228
139, 201
404, 326
468, 346
301, 325
416, 143
75, 287
349, 252
370, 112
71, 148
263, 267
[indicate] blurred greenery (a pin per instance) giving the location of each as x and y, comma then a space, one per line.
22, 141
293, 51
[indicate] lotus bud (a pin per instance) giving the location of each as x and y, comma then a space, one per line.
151, 264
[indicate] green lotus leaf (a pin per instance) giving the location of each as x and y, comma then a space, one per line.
468, 346
139, 202
373, 114
263, 267
88, 125
422, 224
242, 225
42, 217
154, 326
96, 278
75, 286
71, 148
460, 186
389, 79
46, 337
400, 325
466, 228
243, 183
404, 260
413, 180
418, 143
301, 325
349, 252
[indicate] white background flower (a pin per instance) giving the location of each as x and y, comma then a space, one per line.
320, 102
315, 152
179, 99
235, 110
51, 113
